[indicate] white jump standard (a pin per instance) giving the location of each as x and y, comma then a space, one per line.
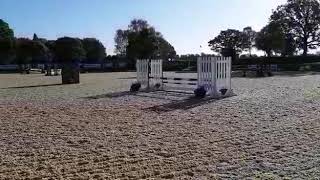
213, 74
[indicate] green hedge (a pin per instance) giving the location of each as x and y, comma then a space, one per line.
278, 60
295, 63
300, 67
178, 65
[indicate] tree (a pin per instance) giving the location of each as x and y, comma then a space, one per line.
69, 52
249, 36
121, 42
141, 40
230, 41
95, 50
29, 51
142, 44
290, 45
165, 50
7, 42
50, 44
301, 18
137, 25
270, 39
122, 36
229, 52
40, 52
35, 37
5, 31
24, 49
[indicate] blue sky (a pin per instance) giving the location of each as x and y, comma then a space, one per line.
186, 24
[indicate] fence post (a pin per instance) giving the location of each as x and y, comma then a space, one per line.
215, 72
199, 70
229, 73
148, 72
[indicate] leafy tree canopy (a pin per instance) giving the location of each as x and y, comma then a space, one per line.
40, 52
95, 50
24, 49
141, 40
121, 42
67, 49
35, 37
249, 36
6, 41
5, 31
142, 44
165, 49
137, 25
270, 39
301, 19
228, 39
29, 51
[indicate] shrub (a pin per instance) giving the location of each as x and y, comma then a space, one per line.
157, 86
135, 87
70, 52
200, 92
223, 91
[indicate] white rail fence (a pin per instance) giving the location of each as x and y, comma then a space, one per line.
214, 74
9, 67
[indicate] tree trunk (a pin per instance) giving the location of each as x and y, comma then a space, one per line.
21, 68
48, 70
43, 70
70, 74
269, 68
260, 69
55, 70
305, 46
28, 68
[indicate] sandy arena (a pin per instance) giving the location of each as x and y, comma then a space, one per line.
270, 130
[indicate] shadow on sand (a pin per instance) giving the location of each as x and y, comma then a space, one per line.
112, 95
295, 73
184, 104
161, 95
177, 100
127, 78
23, 87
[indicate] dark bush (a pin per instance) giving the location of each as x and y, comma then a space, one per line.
223, 91
135, 87
157, 86
200, 92
270, 74
69, 52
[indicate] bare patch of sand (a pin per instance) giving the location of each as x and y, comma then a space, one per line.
270, 130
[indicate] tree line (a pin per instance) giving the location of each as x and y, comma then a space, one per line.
139, 40
40, 50
293, 27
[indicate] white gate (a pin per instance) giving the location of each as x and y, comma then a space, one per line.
214, 73
156, 72
143, 72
